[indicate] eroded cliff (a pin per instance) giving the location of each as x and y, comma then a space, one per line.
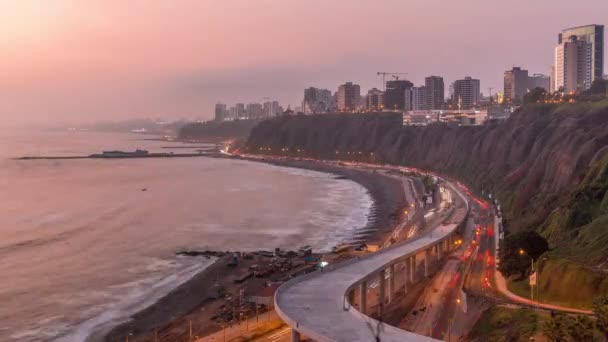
534, 162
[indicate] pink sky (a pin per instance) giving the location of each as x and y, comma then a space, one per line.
84, 60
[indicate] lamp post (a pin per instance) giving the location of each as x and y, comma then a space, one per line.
522, 252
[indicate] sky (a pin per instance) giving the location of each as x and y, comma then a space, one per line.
91, 60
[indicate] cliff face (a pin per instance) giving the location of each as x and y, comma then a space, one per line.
214, 130
533, 162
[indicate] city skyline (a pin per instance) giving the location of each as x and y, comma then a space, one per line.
109, 60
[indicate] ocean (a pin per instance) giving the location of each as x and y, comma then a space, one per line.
83, 246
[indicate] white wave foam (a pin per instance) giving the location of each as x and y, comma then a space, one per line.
141, 294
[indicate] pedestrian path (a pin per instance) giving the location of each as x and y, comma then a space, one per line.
501, 285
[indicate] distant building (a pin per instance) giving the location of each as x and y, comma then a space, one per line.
254, 110
552, 81
573, 65
460, 117
348, 96
276, 108
435, 92
221, 113
594, 36
394, 96
375, 100
515, 85
539, 81
466, 93
316, 100
240, 111
415, 98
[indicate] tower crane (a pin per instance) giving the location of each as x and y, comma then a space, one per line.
393, 74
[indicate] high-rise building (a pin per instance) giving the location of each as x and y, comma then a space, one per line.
594, 36
515, 85
375, 100
254, 110
539, 81
348, 96
394, 96
268, 109
232, 113
316, 100
552, 80
466, 93
276, 109
239, 109
435, 92
415, 98
221, 113
573, 64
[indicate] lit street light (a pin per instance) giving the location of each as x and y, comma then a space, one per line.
523, 252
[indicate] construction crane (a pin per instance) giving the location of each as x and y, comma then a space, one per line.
384, 73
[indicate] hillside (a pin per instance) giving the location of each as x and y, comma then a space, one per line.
545, 163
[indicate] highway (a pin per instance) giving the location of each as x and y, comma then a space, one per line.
315, 305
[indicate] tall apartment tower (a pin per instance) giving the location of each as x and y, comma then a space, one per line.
316, 100
573, 64
539, 81
415, 98
221, 112
516, 84
466, 93
394, 96
375, 100
434, 92
348, 96
594, 36
240, 111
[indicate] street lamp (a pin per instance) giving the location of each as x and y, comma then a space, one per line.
523, 252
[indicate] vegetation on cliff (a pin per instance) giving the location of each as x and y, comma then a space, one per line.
547, 165
531, 162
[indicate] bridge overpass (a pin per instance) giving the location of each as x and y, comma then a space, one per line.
333, 304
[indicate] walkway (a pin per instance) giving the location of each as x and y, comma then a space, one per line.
501, 284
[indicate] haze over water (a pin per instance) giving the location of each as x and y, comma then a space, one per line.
82, 245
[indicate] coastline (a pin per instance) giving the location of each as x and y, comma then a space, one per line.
191, 296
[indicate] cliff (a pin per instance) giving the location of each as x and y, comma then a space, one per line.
536, 163
217, 130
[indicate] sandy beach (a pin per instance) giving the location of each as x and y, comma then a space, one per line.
191, 301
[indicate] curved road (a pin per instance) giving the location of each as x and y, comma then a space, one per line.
315, 304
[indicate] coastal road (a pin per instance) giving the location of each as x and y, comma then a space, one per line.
281, 335
440, 310
242, 329
315, 304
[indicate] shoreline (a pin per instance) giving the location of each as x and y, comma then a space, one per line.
388, 199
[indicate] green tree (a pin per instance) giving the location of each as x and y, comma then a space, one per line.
556, 328
581, 328
515, 252
598, 87
565, 328
535, 95
600, 308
